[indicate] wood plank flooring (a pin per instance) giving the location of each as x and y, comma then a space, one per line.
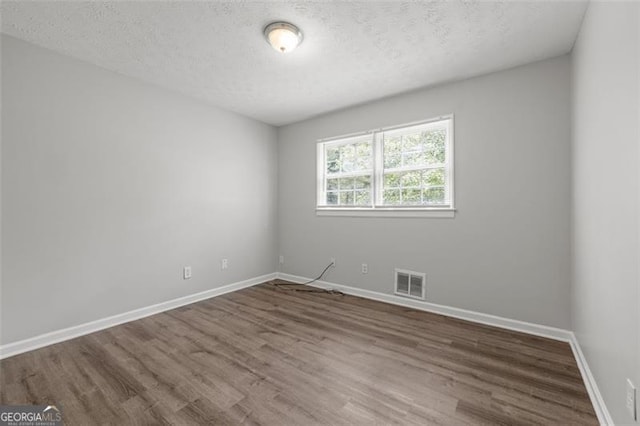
265, 355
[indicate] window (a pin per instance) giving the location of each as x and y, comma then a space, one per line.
404, 170
348, 171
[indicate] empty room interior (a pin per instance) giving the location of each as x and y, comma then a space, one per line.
320, 212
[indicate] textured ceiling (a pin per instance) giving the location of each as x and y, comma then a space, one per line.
353, 52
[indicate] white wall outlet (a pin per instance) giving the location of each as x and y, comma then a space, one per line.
631, 400
224, 264
365, 268
333, 262
281, 260
186, 272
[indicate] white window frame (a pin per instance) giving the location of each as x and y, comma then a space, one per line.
378, 210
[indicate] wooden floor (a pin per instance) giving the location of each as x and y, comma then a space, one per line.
265, 355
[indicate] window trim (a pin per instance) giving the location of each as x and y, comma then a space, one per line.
446, 211
386, 212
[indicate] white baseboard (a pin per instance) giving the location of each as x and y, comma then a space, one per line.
590, 383
510, 324
496, 321
58, 336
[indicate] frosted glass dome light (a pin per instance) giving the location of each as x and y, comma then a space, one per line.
283, 36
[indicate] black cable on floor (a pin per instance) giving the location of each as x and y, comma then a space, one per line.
287, 286
319, 276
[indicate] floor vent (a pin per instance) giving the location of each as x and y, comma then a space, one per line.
410, 284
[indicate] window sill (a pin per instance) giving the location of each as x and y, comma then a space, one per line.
382, 212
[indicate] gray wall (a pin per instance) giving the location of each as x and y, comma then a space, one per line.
507, 251
606, 138
110, 186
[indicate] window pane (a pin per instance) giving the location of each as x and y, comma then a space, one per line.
413, 159
392, 180
332, 184
411, 142
411, 179
363, 150
332, 198
346, 183
333, 167
434, 146
411, 197
392, 161
347, 152
333, 154
392, 145
348, 157
434, 195
363, 182
392, 148
363, 163
363, 198
346, 198
421, 148
348, 166
434, 177
391, 196
364, 156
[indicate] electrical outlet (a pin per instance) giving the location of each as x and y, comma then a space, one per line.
281, 259
333, 262
631, 399
225, 263
365, 268
186, 272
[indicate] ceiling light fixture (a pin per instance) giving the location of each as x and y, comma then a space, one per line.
283, 36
